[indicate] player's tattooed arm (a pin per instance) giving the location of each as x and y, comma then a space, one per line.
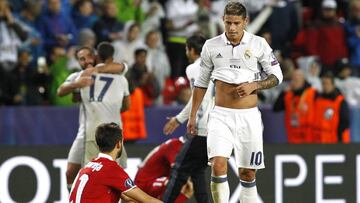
246, 88
269, 82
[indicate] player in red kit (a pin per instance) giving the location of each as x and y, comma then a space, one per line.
102, 180
154, 172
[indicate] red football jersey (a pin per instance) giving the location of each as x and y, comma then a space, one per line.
159, 161
101, 180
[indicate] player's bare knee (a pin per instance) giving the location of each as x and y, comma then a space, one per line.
70, 175
71, 172
247, 174
219, 166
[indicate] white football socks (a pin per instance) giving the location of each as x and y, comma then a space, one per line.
248, 191
220, 189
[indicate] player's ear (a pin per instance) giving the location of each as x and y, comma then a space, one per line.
246, 20
118, 145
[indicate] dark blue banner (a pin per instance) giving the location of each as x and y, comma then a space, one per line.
58, 125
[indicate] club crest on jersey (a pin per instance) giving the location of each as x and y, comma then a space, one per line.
247, 54
129, 183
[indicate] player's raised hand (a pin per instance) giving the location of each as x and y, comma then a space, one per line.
191, 126
170, 126
245, 89
84, 81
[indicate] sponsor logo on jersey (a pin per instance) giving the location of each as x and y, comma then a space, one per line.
235, 66
94, 166
219, 56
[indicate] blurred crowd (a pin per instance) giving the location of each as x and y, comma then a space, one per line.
38, 39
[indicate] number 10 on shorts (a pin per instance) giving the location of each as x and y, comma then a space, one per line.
256, 158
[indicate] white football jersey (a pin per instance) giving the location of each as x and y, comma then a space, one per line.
248, 61
81, 130
103, 101
192, 72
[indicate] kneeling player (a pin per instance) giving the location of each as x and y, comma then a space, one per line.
102, 179
154, 172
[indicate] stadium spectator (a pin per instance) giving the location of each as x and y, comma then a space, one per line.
30, 84
58, 72
134, 125
29, 18
102, 179
316, 6
154, 172
154, 13
331, 114
181, 17
125, 48
206, 26
325, 37
157, 60
11, 35
352, 27
311, 67
57, 28
283, 25
130, 10
139, 76
108, 28
348, 85
83, 14
298, 104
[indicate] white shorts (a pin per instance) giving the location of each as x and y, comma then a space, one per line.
77, 150
239, 130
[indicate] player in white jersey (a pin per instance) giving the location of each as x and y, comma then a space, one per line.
72, 84
235, 62
192, 159
103, 101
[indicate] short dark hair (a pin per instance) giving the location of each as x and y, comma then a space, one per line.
235, 8
107, 135
82, 48
139, 51
329, 75
105, 50
196, 42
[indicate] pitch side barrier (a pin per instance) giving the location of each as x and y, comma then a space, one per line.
293, 173
58, 125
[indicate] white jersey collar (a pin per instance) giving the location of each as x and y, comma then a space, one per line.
106, 156
245, 39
